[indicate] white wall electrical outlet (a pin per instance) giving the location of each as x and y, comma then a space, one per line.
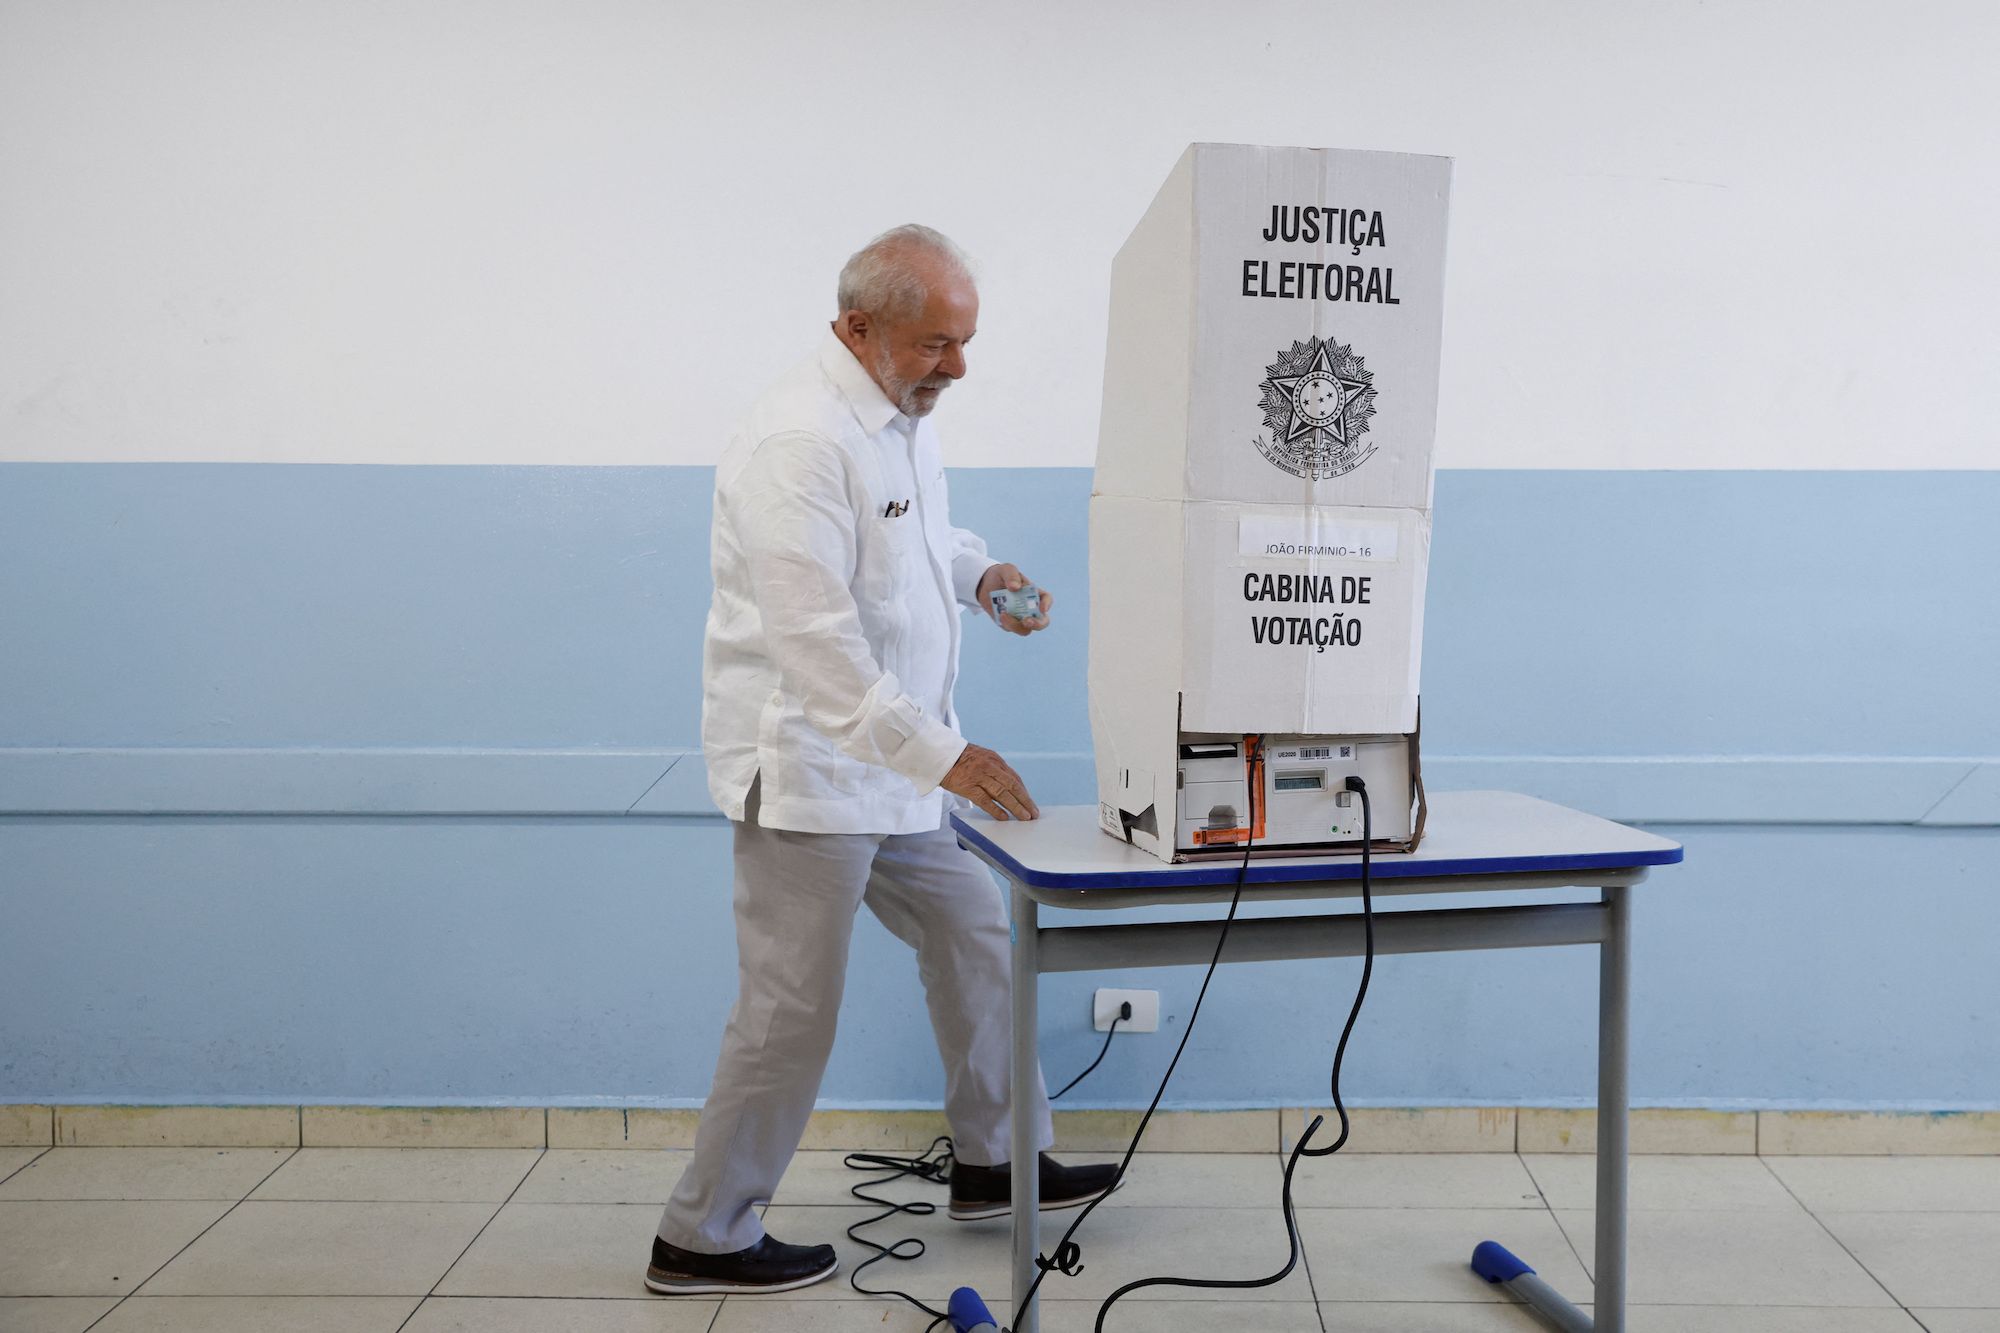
1145, 1010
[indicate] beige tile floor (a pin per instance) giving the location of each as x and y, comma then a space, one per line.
374, 1240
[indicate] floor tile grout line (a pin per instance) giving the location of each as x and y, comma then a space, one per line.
25, 1165
1545, 1205
1818, 1222
140, 1286
544, 1152
1562, 1230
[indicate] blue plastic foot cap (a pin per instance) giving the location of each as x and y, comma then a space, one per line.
1496, 1263
967, 1312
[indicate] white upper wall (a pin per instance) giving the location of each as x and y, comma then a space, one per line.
1726, 235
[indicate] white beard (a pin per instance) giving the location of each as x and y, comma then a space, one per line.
903, 393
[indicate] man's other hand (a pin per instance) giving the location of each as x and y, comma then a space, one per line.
1012, 579
985, 779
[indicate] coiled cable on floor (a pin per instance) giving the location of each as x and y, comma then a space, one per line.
933, 1164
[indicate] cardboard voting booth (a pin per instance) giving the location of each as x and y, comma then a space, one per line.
1260, 520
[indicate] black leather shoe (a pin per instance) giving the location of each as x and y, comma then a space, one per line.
987, 1191
769, 1265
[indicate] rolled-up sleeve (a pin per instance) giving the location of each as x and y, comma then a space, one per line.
796, 524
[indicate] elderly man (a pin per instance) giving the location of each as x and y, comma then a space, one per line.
828, 728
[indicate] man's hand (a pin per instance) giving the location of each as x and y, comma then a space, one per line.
1012, 579
984, 778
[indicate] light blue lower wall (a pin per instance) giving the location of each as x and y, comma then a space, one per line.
1800, 663
424, 961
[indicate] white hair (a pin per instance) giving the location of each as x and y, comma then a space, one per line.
881, 279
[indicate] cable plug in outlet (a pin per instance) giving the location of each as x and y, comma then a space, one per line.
1135, 1010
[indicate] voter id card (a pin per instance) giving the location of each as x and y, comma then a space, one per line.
1022, 604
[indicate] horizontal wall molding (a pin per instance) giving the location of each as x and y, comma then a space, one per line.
672, 783
1743, 789
312, 781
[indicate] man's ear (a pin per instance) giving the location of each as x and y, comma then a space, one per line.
854, 325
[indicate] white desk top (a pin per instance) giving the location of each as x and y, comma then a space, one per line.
1468, 833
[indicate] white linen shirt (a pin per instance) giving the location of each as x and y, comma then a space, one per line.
832, 642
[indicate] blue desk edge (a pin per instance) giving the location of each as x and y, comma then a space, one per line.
1385, 865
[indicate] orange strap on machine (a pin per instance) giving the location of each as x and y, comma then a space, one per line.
1253, 780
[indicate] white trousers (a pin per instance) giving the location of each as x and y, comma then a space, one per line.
796, 897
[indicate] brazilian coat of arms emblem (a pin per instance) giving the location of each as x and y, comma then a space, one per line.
1317, 400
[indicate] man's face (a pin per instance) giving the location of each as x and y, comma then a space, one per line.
915, 361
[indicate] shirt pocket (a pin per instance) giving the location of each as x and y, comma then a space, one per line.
890, 550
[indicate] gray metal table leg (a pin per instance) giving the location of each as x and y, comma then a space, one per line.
1491, 1260
1613, 1124
1027, 1176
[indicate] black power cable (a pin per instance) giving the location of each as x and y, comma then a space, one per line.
933, 1164
1124, 1012
1367, 970
1068, 1256
1354, 784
